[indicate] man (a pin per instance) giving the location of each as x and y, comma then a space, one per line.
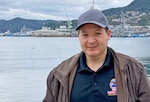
98, 73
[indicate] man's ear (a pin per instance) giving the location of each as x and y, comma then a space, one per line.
109, 32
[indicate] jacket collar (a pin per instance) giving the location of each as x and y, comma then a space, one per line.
65, 73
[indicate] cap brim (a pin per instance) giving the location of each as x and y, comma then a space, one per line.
92, 22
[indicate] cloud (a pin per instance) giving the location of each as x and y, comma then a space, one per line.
53, 9
27, 13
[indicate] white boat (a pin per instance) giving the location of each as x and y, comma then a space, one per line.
47, 32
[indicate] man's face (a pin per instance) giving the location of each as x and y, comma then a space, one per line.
93, 39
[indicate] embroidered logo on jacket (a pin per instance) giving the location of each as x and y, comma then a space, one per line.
113, 87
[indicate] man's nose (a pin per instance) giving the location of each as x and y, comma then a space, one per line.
91, 39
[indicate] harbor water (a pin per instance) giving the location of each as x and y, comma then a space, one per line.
25, 62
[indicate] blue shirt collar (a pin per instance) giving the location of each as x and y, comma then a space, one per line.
83, 66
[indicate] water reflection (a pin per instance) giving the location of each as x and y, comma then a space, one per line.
26, 61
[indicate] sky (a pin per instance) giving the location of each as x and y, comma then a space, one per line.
53, 9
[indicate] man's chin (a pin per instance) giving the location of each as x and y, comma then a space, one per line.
92, 54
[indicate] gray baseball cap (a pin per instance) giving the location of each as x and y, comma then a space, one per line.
92, 16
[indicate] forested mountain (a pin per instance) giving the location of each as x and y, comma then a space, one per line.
15, 25
136, 5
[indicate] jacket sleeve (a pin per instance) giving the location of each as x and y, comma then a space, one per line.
138, 84
144, 88
49, 94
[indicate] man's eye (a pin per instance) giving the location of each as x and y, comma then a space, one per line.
98, 33
84, 34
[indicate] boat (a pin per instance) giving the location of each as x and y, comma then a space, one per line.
8, 33
137, 35
48, 32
